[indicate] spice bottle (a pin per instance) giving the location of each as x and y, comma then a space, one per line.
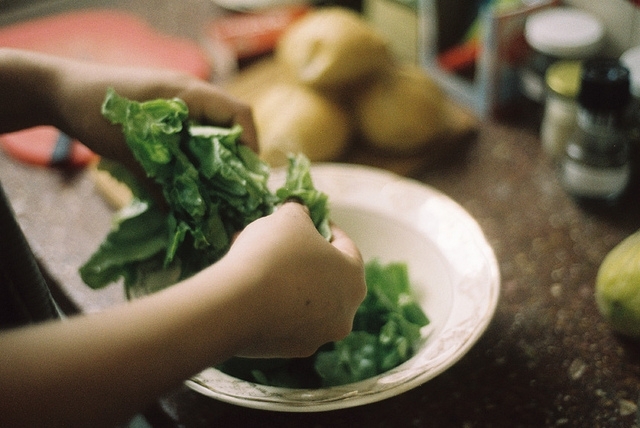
631, 60
596, 167
559, 119
555, 34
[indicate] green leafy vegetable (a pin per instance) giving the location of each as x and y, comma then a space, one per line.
213, 187
299, 185
386, 333
138, 234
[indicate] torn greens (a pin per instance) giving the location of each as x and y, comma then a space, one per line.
213, 187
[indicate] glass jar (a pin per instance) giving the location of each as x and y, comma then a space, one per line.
553, 34
596, 168
559, 118
631, 59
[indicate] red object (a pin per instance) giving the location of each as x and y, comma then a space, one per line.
107, 36
104, 36
37, 146
254, 33
459, 57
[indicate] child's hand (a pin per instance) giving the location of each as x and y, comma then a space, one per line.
308, 289
81, 87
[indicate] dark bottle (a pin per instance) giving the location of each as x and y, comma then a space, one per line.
596, 167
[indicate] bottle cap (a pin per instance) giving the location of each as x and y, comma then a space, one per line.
564, 32
604, 85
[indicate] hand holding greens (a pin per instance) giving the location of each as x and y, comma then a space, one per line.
213, 186
386, 332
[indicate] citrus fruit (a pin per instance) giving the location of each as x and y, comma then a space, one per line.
617, 290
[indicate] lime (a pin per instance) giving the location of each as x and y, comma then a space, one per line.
618, 287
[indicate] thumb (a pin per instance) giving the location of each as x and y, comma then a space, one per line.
342, 242
295, 205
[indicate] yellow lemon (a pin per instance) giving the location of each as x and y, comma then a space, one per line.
618, 287
333, 47
401, 111
292, 119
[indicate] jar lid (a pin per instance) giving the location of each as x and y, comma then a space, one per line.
631, 59
564, 32
604, 85
563, 77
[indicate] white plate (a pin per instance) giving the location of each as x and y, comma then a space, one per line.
453, 271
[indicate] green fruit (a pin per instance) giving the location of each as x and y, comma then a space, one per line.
618, 287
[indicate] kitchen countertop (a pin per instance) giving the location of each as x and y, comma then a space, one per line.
547, 359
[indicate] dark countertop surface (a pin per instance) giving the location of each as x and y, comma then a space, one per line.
547, 359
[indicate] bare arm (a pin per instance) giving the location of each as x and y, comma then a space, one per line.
101, 368
46, 90
282, 290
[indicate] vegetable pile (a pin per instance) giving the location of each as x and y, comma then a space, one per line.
214, 187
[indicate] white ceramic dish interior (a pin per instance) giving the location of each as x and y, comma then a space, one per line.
452, 268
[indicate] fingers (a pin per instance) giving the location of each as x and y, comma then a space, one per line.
347, 246
231, 111
340, 239
220, 108
249, 137
295, 216
342, 242
297, 202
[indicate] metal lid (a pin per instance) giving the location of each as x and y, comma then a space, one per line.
564, 32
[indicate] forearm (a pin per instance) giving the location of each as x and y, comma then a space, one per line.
104, 367
41, 89
281, 291
25, 84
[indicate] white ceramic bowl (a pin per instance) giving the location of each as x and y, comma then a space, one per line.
452, 268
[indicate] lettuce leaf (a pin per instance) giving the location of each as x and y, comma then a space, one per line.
299, 186
138, 234
213, 187
386, 330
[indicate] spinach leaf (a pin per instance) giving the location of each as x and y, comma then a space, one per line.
138, 234
299, 185
386, 329
213, 187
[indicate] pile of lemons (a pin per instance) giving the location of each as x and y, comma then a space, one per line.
344, 83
